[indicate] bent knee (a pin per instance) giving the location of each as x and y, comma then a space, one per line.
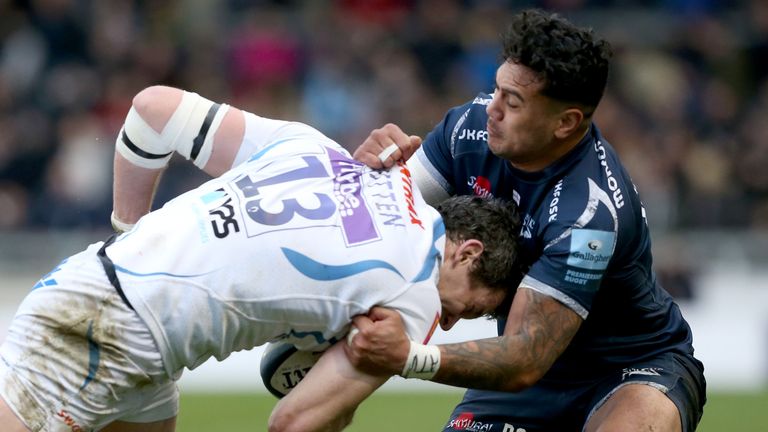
156, 104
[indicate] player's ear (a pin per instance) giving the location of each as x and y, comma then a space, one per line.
569, 122
469, 250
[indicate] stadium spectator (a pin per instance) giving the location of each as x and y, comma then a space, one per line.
592, 341
337, 59
101, 340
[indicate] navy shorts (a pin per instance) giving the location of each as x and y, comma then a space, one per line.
565, 405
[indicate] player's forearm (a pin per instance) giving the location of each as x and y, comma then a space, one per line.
489, 364
133, 189
538, 330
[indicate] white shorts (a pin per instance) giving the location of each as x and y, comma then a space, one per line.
77, 358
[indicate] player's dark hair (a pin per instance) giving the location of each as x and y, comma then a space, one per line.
572, 61
496, 224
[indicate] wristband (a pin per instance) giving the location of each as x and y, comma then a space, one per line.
118, 225
423, 361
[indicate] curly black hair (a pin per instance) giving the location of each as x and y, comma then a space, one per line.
496, 224
572, 61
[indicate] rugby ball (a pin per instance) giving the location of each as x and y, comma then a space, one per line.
283, 366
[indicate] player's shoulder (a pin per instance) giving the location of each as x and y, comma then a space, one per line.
464, 127
577, 200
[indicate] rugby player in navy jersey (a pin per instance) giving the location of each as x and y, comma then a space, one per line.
591, 342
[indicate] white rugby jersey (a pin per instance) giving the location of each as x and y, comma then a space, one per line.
288, 245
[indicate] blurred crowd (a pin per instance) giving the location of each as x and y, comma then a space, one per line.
687, 104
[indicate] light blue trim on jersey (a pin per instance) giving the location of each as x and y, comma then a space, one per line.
269, 147
133, 273
315, 334
48, 280
438, 230
94, 352
213, 196
261, 152
326, 272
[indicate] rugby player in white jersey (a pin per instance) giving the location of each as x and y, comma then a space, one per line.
289, 241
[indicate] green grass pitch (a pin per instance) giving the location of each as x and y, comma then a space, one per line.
425, 411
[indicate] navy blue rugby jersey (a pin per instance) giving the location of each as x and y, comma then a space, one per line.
585, 239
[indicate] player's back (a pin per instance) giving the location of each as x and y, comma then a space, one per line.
289, 245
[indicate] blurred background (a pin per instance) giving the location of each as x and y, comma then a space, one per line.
686, 107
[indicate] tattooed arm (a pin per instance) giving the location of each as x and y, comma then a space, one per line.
538, 330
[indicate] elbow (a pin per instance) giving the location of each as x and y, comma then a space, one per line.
526, 380
522, 380
303, 421
282, 421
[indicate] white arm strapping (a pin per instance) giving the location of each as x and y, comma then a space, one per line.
189, 132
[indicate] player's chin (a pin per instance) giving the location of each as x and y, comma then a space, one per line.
496, 144
447, 322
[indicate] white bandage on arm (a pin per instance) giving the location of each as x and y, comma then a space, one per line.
120, 226
423, 361
189, 131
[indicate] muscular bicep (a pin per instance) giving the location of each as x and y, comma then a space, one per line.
327, 397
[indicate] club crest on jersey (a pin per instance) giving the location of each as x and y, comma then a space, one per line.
528, 226
480, 186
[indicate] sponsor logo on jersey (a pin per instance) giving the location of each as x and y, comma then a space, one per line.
591, 249
553, 208
222, 217
480, 186
509, 428
69, 421
474, 135
356, 220
613, 185
649, 371
408, 189
466, 422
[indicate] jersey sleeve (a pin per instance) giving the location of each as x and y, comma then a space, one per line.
577, 248
419, 307
262, 131
437, 152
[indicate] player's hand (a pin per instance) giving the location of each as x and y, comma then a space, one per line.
386, 145
380, 346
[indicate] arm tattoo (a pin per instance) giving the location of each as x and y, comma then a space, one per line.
539, 330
